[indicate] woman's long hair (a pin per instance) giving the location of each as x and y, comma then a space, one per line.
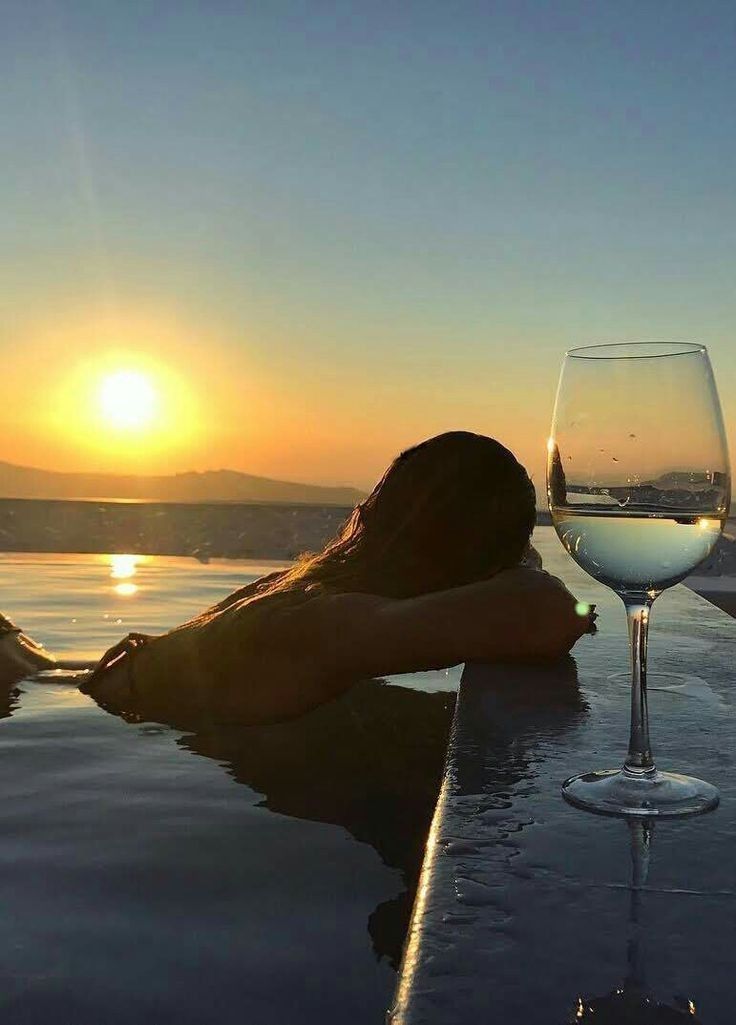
450, 511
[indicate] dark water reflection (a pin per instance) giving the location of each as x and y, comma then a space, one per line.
141, 885
370, 762
519, 708
9, 698
632, 1002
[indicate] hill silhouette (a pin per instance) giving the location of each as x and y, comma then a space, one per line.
209, 486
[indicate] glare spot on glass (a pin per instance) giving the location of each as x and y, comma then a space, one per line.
125, 589
581, 1009
691, 1007
706, 524
123, 566
550, 445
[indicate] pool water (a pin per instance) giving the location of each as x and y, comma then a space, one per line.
259, 875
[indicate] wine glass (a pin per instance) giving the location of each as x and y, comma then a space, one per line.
638, 484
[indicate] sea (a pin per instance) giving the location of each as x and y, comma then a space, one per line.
260, 875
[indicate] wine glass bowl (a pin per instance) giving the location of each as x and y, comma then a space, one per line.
638, 484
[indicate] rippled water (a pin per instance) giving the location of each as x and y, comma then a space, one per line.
251, 875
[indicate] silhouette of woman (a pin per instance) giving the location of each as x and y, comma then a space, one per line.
426, 573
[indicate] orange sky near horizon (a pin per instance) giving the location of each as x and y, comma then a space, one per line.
221, 405
226, 398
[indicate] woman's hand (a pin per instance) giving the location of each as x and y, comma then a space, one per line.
112, 677
538, 616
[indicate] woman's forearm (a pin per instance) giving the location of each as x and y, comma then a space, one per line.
518, 614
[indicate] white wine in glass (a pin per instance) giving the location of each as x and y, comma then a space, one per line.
639, 485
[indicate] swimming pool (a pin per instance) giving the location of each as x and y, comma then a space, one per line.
244, 875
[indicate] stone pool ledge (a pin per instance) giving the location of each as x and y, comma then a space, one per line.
527, 909
462, 879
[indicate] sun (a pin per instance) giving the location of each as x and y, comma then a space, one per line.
127, 400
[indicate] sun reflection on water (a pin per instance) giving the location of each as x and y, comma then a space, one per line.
125, 589
122, 568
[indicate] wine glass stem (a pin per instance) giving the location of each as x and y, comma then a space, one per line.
639, 760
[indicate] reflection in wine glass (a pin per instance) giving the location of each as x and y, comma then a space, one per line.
638, 483
632, 1003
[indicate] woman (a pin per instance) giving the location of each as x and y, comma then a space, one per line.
426, 573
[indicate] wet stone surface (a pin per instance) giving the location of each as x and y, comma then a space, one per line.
528, 910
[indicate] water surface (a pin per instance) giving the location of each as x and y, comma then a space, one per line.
252, 875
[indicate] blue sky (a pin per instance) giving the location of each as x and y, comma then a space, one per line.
391, 219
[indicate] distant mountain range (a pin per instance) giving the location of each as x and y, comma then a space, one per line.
210, 486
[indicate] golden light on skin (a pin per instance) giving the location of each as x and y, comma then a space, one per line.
127, 400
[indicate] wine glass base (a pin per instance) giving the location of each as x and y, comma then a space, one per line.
661, 795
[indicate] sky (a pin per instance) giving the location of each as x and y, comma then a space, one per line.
322, 231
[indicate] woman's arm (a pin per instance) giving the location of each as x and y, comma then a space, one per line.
293, 657
519, 614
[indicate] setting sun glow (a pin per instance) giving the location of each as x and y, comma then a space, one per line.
122, 410
127, 400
